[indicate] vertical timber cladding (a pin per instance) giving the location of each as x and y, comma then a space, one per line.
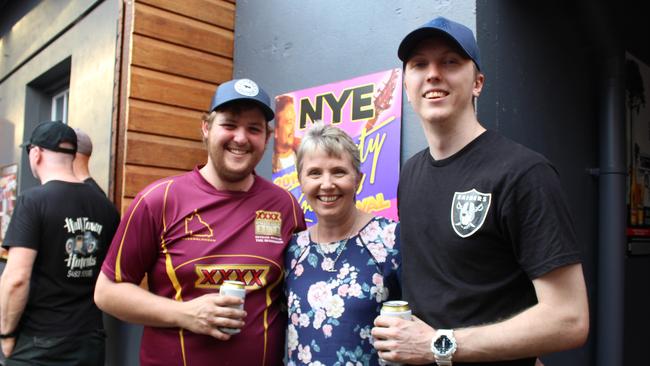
175, 53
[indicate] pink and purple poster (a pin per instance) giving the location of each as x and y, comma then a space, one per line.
369, 109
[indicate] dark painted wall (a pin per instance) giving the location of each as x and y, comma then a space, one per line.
637, 311
544, 62
541, 92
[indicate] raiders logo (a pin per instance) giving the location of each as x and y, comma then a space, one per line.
468, 211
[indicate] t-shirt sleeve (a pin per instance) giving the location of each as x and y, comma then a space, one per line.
392, 266
25, 226
136, 243
539, 223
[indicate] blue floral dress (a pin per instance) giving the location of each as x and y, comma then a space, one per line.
335, 292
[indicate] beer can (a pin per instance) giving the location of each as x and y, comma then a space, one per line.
236, 289
399, 309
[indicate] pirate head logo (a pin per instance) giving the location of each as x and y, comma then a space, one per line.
468, 211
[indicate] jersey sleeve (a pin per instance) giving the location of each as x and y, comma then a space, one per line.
299, 217
538, 221
25, 226
135, 246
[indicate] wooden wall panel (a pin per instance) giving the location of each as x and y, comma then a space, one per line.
164, 152
138, 177
217, 12
174, 55
173, 59
126, 202
177, 29
163, 88
164, 120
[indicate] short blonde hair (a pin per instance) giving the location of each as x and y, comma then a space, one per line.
333, 140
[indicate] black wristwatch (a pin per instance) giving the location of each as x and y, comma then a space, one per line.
13, 334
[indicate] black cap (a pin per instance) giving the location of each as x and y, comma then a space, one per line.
49, 135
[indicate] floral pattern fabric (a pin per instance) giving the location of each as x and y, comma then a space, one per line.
334, 293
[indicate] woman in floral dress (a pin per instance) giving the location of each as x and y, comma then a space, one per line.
340, 270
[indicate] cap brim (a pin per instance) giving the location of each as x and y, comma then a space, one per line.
414, 38
268, 112
64, 150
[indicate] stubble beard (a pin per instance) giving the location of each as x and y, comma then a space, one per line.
227, 174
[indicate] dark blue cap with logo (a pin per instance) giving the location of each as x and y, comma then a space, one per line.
49, 135
242, 89
458, 33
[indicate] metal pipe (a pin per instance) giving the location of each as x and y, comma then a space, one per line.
612, 214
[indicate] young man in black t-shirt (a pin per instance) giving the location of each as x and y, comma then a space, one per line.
491, 267
57, 240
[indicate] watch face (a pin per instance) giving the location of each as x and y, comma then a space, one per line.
443, 344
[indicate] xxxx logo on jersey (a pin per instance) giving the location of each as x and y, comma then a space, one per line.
213, 275
268, 227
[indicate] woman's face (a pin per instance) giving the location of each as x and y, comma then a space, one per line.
329, 184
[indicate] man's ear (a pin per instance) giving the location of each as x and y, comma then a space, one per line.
205, 129
478, 84
38, 154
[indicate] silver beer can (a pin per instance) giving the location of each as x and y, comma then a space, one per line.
399, 309
236, 289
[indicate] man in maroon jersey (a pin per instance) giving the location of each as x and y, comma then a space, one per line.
190, 232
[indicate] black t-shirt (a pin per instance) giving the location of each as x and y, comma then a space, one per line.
476, 228
91, 182
71, 226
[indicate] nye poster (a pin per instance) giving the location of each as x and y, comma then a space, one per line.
369, 109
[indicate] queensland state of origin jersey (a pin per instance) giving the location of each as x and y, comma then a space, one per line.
188, 238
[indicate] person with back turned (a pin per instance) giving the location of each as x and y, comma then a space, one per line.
82, 158
57, 239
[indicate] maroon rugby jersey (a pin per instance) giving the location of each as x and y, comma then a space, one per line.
188, 237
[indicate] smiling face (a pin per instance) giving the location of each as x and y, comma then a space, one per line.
235, 140
329, 184
440, 81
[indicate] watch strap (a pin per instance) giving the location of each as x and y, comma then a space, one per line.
13, 334
444, 359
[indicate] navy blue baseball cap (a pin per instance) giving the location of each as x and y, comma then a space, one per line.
49, 135
242, 89
458, 33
